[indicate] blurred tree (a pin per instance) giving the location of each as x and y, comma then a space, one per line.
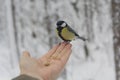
116, 29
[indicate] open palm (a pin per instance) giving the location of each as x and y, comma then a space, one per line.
49, 66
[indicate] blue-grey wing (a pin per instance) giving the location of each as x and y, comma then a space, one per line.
70, 29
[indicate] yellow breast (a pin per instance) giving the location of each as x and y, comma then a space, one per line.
67, 35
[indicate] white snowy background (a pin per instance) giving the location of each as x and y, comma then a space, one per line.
30, 24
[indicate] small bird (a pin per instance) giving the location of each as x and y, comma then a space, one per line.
66, 33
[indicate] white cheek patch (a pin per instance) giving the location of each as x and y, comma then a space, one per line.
63, 25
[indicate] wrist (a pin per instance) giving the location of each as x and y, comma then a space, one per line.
25, 77
33, 75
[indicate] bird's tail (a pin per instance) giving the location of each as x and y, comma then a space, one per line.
82, 38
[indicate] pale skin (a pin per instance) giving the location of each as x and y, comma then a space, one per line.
49, 66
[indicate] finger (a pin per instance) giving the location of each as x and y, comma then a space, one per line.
60, 48
66, 56
63, 57
46, 58
26, 54
50, 52
65, 53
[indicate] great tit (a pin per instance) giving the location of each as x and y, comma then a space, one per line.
66, 33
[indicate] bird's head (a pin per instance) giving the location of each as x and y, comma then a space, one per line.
61, 24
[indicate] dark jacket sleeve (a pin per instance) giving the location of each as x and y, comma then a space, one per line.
24, 77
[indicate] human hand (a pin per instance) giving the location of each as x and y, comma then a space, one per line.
49, 66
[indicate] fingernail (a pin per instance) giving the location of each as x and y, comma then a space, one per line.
25, 51
64, 43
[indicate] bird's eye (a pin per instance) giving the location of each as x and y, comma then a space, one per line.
63, 25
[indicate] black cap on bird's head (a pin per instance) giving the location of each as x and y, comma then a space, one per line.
61, 24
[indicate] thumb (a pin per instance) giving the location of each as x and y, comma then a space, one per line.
26, 54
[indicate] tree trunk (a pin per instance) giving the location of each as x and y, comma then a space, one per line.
116, 29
